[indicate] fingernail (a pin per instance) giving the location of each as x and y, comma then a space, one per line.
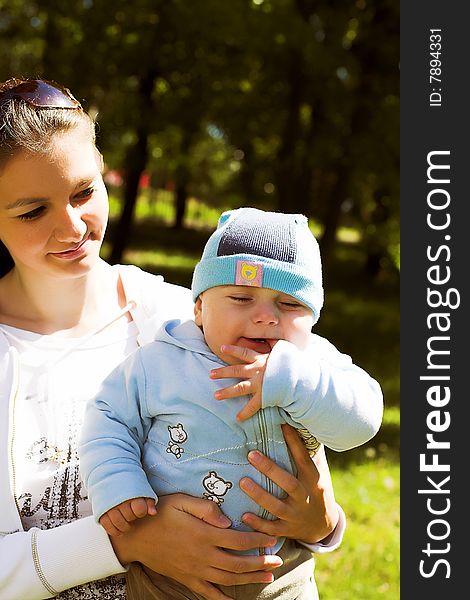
217, 395
246, 484
272, 542
254, 456
224, 521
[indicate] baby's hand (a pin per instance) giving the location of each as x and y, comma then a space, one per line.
117, 520
251, 373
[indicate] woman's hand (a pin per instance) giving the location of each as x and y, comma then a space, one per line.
187, 539
309, 512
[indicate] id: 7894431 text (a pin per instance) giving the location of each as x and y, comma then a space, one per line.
435, 67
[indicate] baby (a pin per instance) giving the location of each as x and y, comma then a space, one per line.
155, 427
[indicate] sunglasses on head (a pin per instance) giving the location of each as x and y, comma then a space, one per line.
41, 94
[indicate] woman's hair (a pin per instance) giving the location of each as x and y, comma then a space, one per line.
25, 126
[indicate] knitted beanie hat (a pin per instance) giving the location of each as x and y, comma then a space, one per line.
263, 249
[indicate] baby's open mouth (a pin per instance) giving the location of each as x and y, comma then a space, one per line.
260, 345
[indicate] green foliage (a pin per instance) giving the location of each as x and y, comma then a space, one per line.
302, 96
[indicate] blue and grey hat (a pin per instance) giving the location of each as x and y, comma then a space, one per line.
263, 249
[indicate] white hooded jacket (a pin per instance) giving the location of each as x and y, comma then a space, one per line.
38, 564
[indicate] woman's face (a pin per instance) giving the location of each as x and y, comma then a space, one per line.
54, 207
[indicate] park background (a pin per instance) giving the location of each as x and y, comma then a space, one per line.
289, 105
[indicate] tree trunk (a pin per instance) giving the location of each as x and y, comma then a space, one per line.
358, 124
287, 159
247, 174
183, 177
333, 215
136, 161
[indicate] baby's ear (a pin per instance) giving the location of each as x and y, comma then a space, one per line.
198, 311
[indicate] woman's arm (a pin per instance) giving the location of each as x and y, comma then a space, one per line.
38, 564
192, 532
186, 541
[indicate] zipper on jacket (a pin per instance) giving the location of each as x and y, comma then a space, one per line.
268, 484
13, 432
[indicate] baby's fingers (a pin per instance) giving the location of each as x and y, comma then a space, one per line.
151, 507
139, 508
105, 522
242, 388
238, 371
241, 352
250, 408
114, 523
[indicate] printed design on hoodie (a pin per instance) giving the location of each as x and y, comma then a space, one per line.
215, 487
55, 501
62, 501
177, 436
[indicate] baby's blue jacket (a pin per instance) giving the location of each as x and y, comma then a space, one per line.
157, 410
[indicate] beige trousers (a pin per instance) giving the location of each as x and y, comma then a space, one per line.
294, 581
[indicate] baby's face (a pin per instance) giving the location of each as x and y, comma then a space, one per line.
251, 317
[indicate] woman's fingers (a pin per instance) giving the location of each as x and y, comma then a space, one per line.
204, 589
308, 511
285, 480
242, 576
205, 558
298, 450
276, 506
275, 527
241, 540
205, 510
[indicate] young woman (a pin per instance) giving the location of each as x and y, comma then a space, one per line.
67, 318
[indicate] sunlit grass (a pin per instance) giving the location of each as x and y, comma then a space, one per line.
160, 259
159, 205
366, 566
391, 416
